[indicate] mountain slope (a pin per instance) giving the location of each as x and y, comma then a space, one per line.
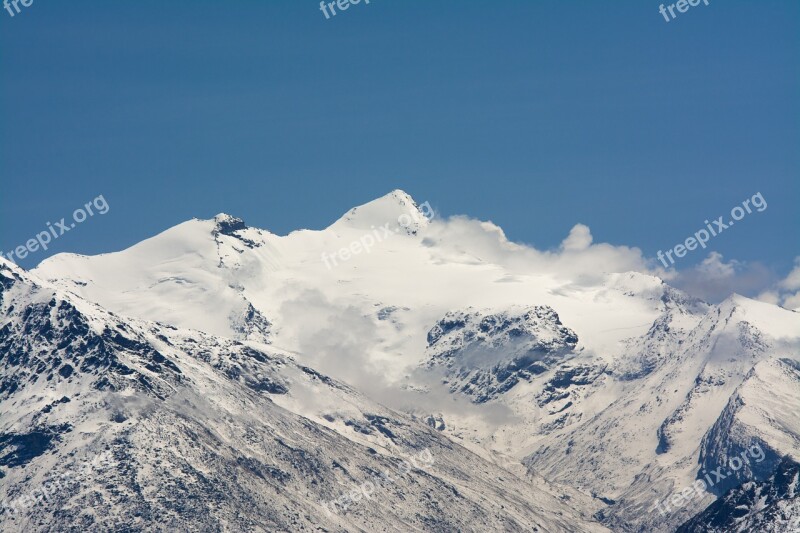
680, 421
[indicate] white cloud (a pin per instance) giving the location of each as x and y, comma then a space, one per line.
770, 297
464, 239
713, 265
792, 281
343, 343
792, 301
579, 238
788, 289
578, 257
714, 279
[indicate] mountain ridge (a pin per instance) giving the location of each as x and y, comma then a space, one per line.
620, 415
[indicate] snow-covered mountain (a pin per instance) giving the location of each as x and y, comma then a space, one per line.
206, 433
576, 365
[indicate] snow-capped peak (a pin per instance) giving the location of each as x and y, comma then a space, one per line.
772, 319
398, 209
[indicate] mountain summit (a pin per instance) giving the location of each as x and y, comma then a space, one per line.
397, 209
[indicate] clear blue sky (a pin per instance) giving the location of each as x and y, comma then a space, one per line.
535, 115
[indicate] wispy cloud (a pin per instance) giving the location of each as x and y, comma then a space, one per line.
714, 279
787, 291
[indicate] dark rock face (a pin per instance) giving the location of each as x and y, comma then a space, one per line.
19, 449
565, 379
252, 325
485, 354
232, 227
53, 342
228, 225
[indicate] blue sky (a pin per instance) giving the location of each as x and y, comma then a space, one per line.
535, 115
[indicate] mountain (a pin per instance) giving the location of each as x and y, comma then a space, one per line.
198, 432
576, 365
